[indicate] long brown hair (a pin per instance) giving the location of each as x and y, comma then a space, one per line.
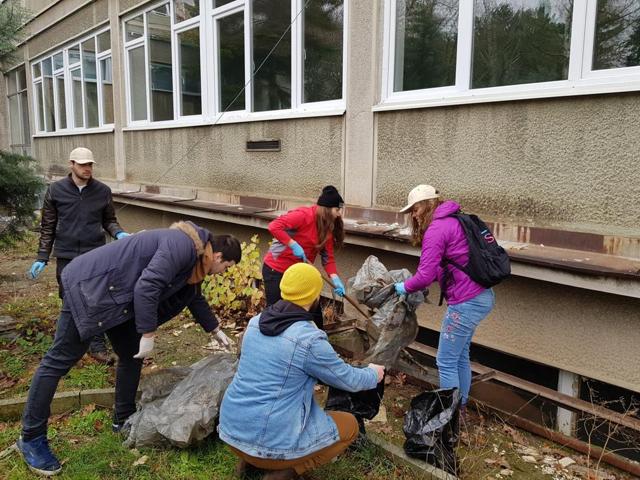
326, 224
419, 225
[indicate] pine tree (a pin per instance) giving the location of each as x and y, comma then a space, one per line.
12, 18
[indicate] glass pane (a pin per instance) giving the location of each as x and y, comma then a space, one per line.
49, 113
104, 41
231, 41
76, 86
22, 79
191, 98
13, 82
272, 80
40, 101
46, 67
58, 64
520, 41
106, 82
323, 23
137, 84
36, 70
219, 3
134, 28
90, 82
14, 119
74, 55
160, 66
26, 129
62, 112
617, 40
185, 9
426, 44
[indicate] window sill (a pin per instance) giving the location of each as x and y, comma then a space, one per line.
406, 101
72, 133
243, 117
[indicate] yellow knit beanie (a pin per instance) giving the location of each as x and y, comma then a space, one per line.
301, 284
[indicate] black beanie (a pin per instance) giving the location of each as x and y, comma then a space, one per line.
330, 197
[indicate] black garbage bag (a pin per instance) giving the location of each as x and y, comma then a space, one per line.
364, 405
432, 429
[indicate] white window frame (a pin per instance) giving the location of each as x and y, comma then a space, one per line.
65, 71
209, 71
581, 80
21, 95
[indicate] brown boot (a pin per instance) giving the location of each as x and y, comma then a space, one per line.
102, 357
288, 474
244, 468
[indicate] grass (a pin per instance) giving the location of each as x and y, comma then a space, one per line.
89, 450
90, 377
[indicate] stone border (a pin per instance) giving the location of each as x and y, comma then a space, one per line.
11, 409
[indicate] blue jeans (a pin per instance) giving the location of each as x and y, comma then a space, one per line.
458, 326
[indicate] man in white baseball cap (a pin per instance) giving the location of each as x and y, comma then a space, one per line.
76, 212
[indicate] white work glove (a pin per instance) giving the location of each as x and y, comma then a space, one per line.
221, 338
146, 347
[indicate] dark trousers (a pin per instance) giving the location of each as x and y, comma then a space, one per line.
271, 279
98, 343
65, 352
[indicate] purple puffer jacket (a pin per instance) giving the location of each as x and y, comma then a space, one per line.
444, 238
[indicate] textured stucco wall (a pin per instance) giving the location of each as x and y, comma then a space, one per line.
125, 5
566, 161
53, 153
215, 157
584, 332
75, 22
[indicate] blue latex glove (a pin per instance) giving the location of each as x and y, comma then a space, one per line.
120, 235
400, 290
298, 251
36, 268
339, 286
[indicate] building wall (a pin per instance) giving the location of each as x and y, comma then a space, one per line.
69, 24
53, 153
215, 157
580, 331
571, 161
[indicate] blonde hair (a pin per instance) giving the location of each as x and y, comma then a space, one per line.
419, 225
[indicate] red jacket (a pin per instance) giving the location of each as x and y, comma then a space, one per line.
300, 225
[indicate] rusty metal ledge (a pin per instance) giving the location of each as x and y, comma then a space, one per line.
362, 230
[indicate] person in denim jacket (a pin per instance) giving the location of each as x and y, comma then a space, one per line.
269, 416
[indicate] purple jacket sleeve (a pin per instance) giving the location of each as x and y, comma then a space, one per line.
433, 247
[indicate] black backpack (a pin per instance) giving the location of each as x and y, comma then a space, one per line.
489, 263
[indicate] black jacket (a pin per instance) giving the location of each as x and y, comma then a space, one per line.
74, 222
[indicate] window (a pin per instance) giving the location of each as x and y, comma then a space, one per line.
73, 87
20, 132
454, 51
194, 61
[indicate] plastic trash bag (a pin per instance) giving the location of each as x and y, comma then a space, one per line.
394, 324
363, 405
432, 428
179, 406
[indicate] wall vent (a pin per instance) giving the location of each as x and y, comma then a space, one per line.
263, 145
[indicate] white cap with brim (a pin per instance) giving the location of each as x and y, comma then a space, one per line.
421, 192
81, 156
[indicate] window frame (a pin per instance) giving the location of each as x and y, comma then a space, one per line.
66, 73
207, 22
21, 94
581, 78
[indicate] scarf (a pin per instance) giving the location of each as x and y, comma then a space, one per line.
203, 252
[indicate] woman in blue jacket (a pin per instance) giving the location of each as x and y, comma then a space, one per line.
268, 415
